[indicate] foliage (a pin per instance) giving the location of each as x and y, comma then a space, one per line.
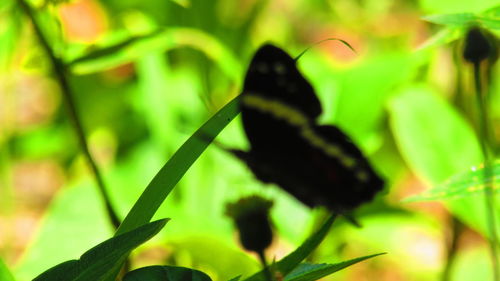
145, 74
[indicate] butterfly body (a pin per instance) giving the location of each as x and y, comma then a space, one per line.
317, 164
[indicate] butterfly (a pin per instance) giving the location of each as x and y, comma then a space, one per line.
317, 164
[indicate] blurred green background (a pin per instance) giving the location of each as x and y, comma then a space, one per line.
147, 74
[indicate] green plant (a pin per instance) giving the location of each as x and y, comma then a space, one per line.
187, 61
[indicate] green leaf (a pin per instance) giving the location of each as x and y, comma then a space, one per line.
307, 272
168, 176
437, 143
456, 6
462, 19
96, 263
76, 213
469, 183
493, 12
160, 40
290, 262
230, 261
444, 36
457, 24
433, 138
5, 274
493, 24
166, 273
237, 278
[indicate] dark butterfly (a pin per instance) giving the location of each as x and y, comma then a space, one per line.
317, 164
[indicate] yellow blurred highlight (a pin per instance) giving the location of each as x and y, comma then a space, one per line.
103, 145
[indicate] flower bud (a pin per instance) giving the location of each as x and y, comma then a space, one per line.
479, 45
251, 216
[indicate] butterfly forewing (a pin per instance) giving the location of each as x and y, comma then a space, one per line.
273, 85
273, 74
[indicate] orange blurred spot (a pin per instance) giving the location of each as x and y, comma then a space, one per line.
119, 74
83, 20
35, 102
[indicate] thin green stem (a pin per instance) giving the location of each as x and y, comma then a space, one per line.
456, 231
60, 74
483, 128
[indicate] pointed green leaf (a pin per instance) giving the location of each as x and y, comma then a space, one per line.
96, 262
444, 36
166, 273
309, 272
290, 262
168, 176
471, 182
493, 11
462, 19
493, 24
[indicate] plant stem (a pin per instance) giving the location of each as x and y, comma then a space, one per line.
60, 74
457, 230
483, 128
267, 269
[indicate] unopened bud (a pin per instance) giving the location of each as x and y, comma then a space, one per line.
479, 45
251, 216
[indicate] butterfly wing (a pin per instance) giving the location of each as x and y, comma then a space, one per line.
343, 177
318, 165
321, 168
273, 80
272, 73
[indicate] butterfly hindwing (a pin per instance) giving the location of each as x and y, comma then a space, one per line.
344, 177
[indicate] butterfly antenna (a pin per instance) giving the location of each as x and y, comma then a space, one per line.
322, 41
